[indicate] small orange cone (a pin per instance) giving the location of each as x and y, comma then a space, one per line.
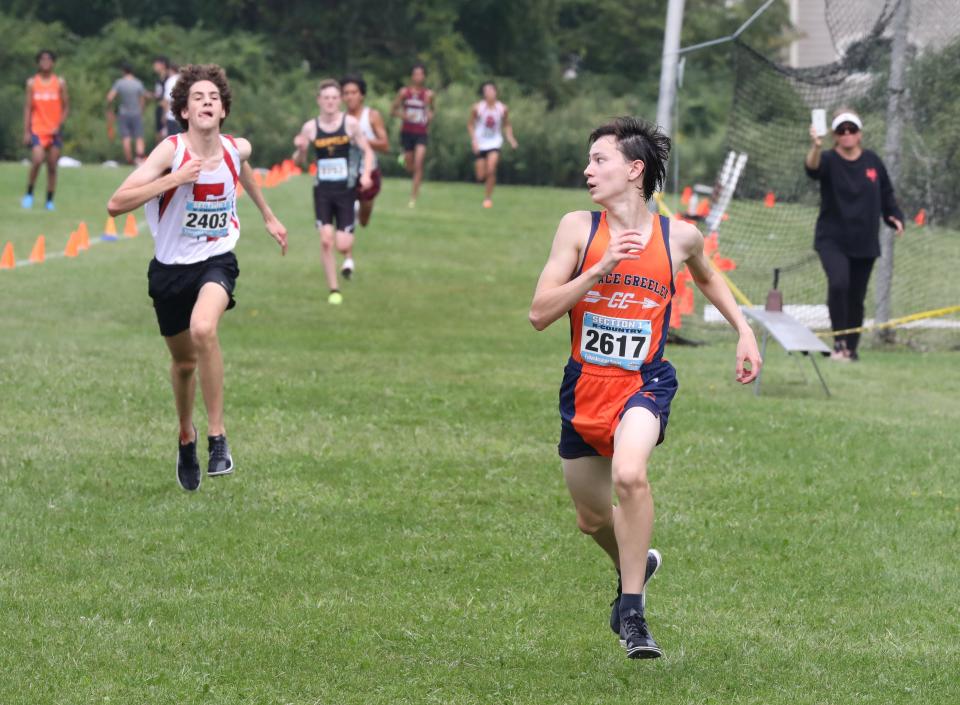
73, 245
769, 199
312, 170
109, 230
83, 239
7, 261
686, 195
130, 226
39, 251
703, 207
921, 217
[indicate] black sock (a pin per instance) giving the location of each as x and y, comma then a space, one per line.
49, 196
30, 190
629, 601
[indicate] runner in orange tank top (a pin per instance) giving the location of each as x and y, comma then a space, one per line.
612, 273
44, 112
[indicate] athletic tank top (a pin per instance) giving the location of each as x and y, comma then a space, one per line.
622, 322
487, 129
332, 155
415, 110
46, 108
367, 129
194, 222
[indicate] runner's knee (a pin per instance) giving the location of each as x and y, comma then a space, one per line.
591, 522
203, 331
630, 480
184, 367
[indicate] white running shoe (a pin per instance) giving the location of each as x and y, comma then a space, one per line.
348, 267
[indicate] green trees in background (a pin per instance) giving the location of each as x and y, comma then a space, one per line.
275, 52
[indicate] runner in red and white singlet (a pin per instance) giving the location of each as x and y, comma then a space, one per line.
188, 186
489, 121
611, 272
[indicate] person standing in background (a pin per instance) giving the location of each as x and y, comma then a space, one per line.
855, 191
132, 96
45, 111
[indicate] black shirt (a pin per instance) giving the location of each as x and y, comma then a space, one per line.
853, 196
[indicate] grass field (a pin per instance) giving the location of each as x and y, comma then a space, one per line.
398, 530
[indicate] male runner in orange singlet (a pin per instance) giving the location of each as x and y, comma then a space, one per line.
44, 112
612, 272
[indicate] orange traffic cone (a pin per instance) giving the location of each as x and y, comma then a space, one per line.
130, 226
686, 195
73, 245
109, 230
921, 217
7, 261
39, 251
83, 239
769, 199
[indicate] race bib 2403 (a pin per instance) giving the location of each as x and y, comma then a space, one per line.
207, 219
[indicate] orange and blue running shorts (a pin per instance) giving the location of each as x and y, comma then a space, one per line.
593, 399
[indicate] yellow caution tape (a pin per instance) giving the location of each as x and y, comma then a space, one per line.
894, 322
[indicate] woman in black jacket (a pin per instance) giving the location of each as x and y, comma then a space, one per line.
855, 192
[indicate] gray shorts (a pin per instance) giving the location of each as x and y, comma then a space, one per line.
130, 125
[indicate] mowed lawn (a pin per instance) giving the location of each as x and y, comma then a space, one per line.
398, 531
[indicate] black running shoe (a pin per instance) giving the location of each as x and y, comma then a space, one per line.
188, 467
220, 460
654, 559
636, 637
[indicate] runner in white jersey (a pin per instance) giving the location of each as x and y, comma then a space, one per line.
354, 91
489, 122
188, 186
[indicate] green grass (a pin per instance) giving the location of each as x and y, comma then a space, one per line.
398, 530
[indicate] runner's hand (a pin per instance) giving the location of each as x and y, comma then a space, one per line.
300, 141
513, 143
896, 224
623, 246
748, 359
814, 137
189, 172
277, 232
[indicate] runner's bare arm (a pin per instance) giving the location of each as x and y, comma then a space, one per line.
149, 180
556, 292
471, 121
713, 286
382, 142
274, 227
65, 99
360, 139
430, 107
395, 110
27, 110
302, 141
508, 127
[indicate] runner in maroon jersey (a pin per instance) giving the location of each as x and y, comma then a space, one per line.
414, 104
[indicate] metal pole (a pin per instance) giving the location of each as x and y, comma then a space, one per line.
668, 68
891, 155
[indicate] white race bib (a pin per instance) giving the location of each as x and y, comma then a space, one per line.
207, 219
332, 169
621, 342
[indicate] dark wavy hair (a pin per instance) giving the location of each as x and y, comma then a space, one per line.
357, 80
639, 140
191, 74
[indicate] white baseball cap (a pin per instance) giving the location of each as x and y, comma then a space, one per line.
846, 117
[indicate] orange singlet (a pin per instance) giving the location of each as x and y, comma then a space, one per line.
617, 334
46, 109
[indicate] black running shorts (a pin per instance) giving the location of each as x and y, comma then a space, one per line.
330, 205
174, 288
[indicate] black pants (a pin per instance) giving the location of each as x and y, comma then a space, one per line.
847, 279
